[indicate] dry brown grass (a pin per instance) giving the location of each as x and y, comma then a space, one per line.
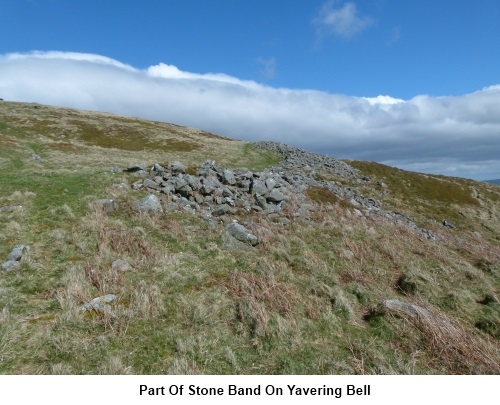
456, 349
258, 296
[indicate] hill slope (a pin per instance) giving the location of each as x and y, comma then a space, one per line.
356, 267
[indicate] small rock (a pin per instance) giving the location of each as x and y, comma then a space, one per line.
449, 224
36, 158
242, 234
10, 208
413, 311
120, 266
276, 196
151, 184
100, 304
177, 167
221, 210
106, 204
17, 253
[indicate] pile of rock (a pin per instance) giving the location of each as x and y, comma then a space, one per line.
213, 190
300, 158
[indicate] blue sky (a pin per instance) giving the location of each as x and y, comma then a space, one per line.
262, 64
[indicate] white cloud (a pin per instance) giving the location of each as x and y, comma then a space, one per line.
343, 21
458, 135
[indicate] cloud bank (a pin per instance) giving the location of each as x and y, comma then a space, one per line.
458, 136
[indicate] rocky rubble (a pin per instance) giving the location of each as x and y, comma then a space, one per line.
300, 168
276, 194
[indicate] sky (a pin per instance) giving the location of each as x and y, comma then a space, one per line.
414, 83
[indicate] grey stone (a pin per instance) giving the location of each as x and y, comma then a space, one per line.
114, 169
221, 210
261, 201
172, 206
192, 181
358, 213
136, 185
270, 183
414, 311
10, 265
106, 204
100, 304
227, 177
36, 158
168, 188
150, 203
242, 234
158, 168
10, 208
449, 224
258, 187
139, 173
16, 254
177, 167
159, 180
209, 185
121, 186
276, 196
120, 265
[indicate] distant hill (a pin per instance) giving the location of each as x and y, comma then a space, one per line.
496, 181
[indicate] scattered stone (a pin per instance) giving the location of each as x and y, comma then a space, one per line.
221, 210
114, 169
414, 311
347, 254
10, 208
106, 204
150, 203
120, 266
121, 186
100, 304
14, 257
36, 158
242, 234
448, 224
17, 253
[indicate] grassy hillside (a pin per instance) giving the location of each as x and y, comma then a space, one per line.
307, 300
